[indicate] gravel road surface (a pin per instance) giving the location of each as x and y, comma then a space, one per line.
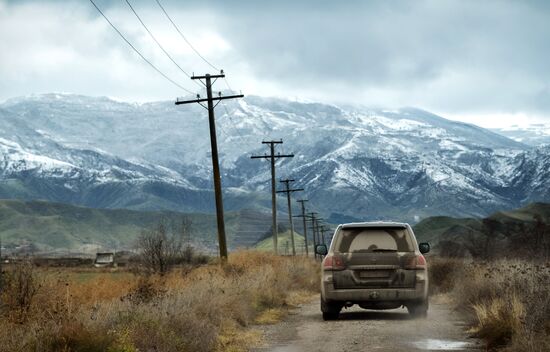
366, 330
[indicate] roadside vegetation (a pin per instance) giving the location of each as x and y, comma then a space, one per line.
195, 306
507, 300
497, 271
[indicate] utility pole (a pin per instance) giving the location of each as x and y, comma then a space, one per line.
206, 80
272, 156
311, 216
317, 230
303, 216
288, 191
320, 232
323, 230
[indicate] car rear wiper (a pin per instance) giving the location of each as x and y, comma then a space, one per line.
384, 250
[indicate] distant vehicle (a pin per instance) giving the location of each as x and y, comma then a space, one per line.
377, 265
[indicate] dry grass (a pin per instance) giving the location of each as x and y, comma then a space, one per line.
207, 308
508, 300
443, 274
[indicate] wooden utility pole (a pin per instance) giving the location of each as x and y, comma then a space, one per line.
288, 191
303, 216
320, 235
207, 81
311, 216
272, 157
323, 230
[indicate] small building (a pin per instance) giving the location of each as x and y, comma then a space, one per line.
104, 259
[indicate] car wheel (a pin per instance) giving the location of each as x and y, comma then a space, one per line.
331, 311
419, 310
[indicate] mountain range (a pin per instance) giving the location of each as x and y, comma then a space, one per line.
532, 134
353, 162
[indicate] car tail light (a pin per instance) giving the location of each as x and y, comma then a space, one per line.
417, 262
333, 262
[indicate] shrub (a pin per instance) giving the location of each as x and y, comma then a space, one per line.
20, 287
163, 247
508, 301
204, 310
444, 273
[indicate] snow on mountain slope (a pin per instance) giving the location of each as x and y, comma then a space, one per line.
534, 134
15, 159
353, 161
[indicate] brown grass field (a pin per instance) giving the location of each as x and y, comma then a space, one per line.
205, 308
212, 307
507, 300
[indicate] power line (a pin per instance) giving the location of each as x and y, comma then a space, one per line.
184, 38
191, 45
229, 115
158, 43
137, 51
227, 84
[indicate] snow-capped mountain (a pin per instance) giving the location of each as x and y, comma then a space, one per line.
353, 162
533, 134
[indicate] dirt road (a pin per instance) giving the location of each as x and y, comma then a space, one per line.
363, 330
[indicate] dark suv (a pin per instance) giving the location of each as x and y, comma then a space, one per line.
377, 265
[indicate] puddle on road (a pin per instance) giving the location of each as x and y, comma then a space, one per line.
441, 345
284, 349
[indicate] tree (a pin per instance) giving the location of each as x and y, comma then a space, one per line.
163, 246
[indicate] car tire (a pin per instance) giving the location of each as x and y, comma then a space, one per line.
331, 311
419, 310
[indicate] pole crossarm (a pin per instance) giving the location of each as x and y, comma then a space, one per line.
221, 75
291, 190
202, 100
274, 156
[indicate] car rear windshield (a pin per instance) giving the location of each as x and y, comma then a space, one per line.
374, 239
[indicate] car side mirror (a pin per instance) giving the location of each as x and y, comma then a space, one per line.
424, 247
321, 249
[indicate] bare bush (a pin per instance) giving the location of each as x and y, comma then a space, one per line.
20, 288
164, 246
444, 273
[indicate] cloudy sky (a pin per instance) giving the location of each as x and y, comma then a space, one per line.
484, 62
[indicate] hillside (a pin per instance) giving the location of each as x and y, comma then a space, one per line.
284, 243
524, 231
353, 162
56, 227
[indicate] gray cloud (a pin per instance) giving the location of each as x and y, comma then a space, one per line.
457, 57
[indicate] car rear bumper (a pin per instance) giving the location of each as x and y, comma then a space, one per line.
357, 295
